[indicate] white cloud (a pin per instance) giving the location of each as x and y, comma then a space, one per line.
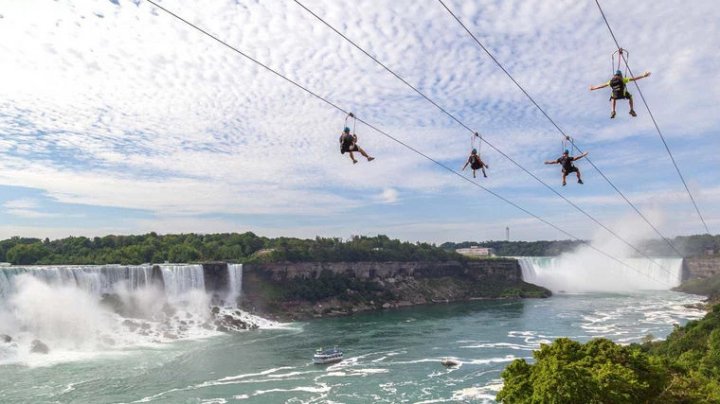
135, 110
389, 195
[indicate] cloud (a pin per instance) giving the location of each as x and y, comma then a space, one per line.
388, 195
136, 111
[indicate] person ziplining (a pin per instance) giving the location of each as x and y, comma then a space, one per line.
474, 160
567, 165
348, 142
618, 83
475, 163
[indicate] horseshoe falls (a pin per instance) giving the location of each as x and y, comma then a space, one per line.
572, 273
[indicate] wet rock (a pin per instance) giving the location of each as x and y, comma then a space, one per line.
168, 310
169, 335
37, 346
131, 325
145, 326
5, 338
222, 328
215, 310
188, 315
114, 303
386, 305
207, 326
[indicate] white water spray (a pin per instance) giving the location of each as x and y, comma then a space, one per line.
81, 311
586, 270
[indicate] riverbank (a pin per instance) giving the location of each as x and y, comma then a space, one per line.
293, 291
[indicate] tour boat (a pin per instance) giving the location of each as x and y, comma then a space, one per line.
327, 356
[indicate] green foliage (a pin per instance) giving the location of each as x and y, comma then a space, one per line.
329, 285
570, 372
246, 247
520, 248
689, 246
709, 287
685, 368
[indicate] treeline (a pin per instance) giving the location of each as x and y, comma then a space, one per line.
688, 246
233, 247
683, 369
520, 248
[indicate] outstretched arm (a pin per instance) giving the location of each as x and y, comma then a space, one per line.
580, 156
465, 166
599, 86
551, 162
640, 77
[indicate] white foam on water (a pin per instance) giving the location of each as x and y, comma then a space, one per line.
506, 358
501, 345
485, 394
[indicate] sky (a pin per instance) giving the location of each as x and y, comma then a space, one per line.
116, 118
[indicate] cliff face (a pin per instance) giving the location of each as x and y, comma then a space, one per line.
297, 290
701, 267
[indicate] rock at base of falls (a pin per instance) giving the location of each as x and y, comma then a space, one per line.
37, 346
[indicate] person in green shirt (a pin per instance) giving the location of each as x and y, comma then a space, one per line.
618, 84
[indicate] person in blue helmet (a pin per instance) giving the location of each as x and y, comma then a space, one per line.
475, 163
566, 161
348, 143
618, 84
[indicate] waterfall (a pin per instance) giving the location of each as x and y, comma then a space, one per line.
181, 279
574, 273
93, 279
235, 280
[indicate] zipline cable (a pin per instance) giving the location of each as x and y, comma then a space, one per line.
406, 145
657, 127
475, 133
562, 132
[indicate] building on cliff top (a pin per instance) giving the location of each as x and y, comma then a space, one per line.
476, 251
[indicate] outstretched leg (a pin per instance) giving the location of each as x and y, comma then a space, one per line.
474, 173
580, 181
632, 110
613, 103
352, 157
364, 154
564, 176
483, 171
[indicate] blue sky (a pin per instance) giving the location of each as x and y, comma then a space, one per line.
116, 118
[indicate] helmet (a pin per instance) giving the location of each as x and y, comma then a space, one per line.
474, 151
618, 73
567, 151
346, 129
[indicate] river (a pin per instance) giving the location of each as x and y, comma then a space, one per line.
390, 356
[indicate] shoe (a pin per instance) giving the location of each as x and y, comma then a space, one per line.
564, 183
484, 175
354, 161
612, 115
371, 158
580, 182
632, 112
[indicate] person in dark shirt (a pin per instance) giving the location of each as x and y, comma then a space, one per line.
566, 161
348, 143
618, 84
475, 163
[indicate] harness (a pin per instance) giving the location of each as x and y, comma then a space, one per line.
618, 87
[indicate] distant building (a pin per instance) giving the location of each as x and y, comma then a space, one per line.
476, 251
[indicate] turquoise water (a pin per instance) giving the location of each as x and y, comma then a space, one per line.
391, 356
